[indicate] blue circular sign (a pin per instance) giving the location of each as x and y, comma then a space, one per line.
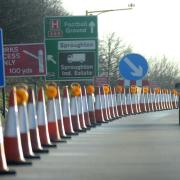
133, 67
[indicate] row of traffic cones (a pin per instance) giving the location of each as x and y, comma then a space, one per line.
32, 127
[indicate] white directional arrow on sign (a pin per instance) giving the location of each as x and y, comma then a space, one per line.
92, 25
137, 71
50, 58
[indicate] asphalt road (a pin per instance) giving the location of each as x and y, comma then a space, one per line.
140, 147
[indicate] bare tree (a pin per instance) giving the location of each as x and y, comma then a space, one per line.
111, 49
163, 71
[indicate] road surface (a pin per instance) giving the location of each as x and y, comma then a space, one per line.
139, 147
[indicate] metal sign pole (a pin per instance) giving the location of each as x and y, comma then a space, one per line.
4, 102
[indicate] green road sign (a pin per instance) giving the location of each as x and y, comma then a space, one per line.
71, 47
71, 27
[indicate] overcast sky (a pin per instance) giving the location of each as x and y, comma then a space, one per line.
152, 28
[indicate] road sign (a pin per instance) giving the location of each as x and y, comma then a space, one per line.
25, 60
2, 76
133, 66
71, 47
71, 27
101, 80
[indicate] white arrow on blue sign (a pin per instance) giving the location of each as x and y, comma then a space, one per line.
133, 66
2, 73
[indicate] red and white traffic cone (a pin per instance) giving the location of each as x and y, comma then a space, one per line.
98, 106
129, 102
67, 113
60, 115
51, 93
33, 125
85, 107
142, 102
91, 101
115, 102
12, 140
153, 95
75, 115
4, 170
151, 99
119, 90
42, 120
24, 124
157, 98
111, 104
169, 99
52, 121
104, 104
124, 102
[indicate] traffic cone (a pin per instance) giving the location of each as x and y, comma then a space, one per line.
52, 122
124, 102
12, 140
81, 113
98, 106
104, 104
75, 92
111, 105
53, 128
151, 99
85, 107
142, 101
170, 99
67, 113
129, 101
24, 124
119, 90
42, 120
91, 101
4, 170
146, 98
157, 99
107, 101
115, 102
133, 90
33, 125
60, 115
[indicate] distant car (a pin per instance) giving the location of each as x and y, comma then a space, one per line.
76, 58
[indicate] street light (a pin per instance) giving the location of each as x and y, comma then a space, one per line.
98, 12
130, 6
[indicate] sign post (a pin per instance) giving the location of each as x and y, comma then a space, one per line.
2, 74
71, 47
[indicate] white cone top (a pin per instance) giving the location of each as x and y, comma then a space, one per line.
51, 111
90, 103
119, 99
84, 103
128, 98
41, 113
23, 119
74, 106
103, 103
32, 115
66, 107
98, 102
123, 98
12, 122
58, 109
133, 98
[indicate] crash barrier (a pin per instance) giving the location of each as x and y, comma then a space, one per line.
35, 124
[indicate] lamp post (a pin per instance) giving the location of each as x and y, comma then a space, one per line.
98, 12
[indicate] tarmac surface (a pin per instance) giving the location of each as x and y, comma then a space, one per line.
139, 147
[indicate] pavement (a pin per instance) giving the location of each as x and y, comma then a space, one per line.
139, 147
